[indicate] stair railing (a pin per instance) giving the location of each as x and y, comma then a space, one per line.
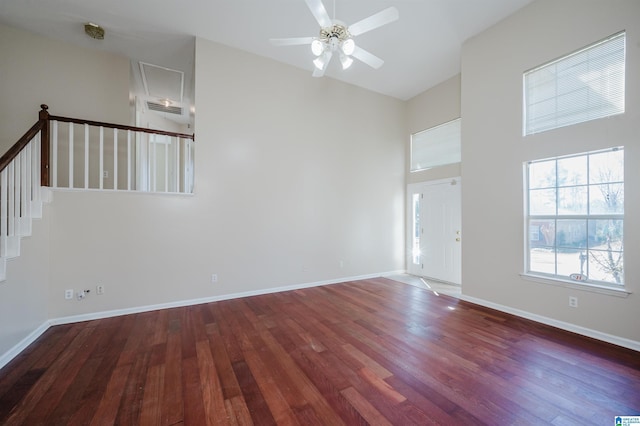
94, 155
22, 171
52, 154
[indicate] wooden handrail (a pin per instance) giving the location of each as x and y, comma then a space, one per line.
121, 127
42, 125
19, 146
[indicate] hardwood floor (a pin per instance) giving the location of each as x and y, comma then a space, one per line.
367, 352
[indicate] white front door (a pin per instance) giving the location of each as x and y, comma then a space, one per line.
435, 230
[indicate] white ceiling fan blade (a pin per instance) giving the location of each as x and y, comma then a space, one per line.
374, 21
368, 58
319, 12
292, 41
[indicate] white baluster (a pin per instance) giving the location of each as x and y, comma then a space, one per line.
101, 175
128, 160
186, 166
4, 201
25, 190
166, 165
70, 155
154, 165
11, 189
178, 140
54, 155
36, 199
86, 156
115, 159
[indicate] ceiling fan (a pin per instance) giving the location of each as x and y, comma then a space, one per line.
337, 37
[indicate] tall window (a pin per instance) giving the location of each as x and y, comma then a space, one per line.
582, 86
575, 217
436, 146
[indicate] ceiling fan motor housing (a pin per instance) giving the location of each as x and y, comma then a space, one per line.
334, 36
336, 31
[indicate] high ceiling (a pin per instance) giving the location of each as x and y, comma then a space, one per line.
420, 50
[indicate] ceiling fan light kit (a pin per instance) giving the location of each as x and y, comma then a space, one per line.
346, 61
335, 36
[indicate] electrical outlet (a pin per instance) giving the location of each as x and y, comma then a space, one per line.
105, 174
81, 295
68, 294
214, 278
573, 302
99, 289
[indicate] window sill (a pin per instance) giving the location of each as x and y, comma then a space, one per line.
594, 288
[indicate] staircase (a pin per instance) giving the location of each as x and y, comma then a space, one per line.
141, 160
21, 190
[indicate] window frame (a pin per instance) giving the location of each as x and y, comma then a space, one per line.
556, 278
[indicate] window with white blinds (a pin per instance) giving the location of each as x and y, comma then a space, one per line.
436, 146
583, 86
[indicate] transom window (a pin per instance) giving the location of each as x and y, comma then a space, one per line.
582, 86
437, 146
575, 217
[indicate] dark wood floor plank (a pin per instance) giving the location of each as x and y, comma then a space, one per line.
371, 351
107, 410
271, 392
151, 409
228, 381
366, 410
212, 397
237, 409
300, 381
46, 347
328, 382
194, 410
254, 400
173, 407
132, 397
39, 397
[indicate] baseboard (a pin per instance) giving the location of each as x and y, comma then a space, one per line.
190, 302
594, 334
6, 357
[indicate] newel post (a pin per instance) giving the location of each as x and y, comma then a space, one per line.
44, 145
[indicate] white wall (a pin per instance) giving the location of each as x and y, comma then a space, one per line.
494, 151
431, 108
293, 175
73, 81
24, 294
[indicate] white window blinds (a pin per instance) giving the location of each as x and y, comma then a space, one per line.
436, 146
579, 87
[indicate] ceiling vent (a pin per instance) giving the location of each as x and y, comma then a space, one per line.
162, 83
154, 106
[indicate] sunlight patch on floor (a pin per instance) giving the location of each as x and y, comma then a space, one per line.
436, 287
